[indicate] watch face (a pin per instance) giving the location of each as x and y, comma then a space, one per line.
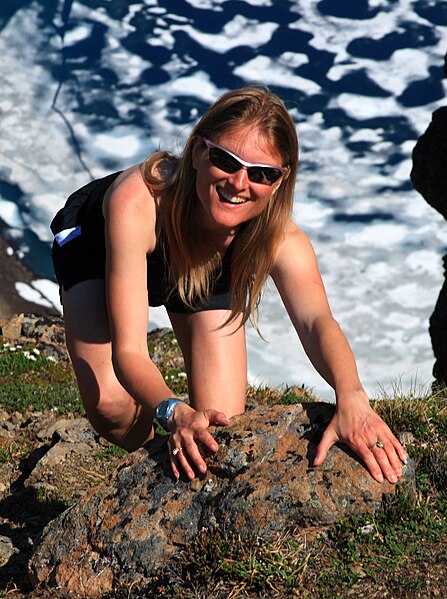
163, 411
160, 412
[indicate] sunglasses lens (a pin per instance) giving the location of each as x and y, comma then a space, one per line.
263, 174
267, 175
223, 160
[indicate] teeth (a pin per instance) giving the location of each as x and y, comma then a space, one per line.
232, 199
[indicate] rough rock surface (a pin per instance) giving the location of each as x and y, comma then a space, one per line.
260, 483
45, 332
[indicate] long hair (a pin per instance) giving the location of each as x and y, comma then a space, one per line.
258, 239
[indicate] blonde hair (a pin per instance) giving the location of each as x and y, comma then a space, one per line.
258, 239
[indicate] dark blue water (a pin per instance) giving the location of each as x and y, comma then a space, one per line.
94, 86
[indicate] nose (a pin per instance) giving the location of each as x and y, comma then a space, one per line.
239, 179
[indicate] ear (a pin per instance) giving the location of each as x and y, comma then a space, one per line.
197, 152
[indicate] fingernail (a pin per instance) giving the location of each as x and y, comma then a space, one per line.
393, 478
405, 459
202, 469
379, 478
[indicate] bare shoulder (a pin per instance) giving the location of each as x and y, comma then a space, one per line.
295, 253
295, 240
129, 185
129, 204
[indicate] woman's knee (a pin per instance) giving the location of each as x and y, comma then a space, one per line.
106, 401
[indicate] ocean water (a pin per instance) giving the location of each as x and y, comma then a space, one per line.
89, 86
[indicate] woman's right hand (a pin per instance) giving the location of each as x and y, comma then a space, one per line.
187, 426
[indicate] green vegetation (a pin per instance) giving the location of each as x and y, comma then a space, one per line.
401, 551
29, 380
264, 395
112, 452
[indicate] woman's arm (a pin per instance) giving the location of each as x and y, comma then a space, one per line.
130, 215
129, 212
299, 283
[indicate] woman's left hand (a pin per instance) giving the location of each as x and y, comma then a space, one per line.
358, 426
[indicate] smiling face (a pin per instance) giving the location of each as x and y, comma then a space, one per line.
229, 199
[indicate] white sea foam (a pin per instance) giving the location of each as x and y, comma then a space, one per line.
379, 251
275, 72
10, 214
253, 33
120, 143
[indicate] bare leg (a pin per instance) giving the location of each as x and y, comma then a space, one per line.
111, 410
215, 359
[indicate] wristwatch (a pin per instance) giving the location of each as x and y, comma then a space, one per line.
164, 410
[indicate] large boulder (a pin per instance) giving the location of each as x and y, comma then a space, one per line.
429, 172
261, 482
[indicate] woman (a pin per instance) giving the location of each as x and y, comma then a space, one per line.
200, 234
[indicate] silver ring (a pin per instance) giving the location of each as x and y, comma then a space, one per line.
378, 444
176, 450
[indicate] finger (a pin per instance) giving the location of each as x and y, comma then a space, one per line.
174, 468
382, 461
208, 440
215, 417
182, 461
390, 449
328, 439
172, 451
381, 457
194, 456
366, 454
403, 456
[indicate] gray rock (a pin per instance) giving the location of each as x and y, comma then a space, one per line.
260, 482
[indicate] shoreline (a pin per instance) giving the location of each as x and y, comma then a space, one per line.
13, 271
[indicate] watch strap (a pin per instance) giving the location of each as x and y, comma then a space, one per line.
165, 409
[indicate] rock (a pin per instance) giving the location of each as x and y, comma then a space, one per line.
406, 438
11, 327
7, 550
70, 430
47, 333
70, 438
261, 482
429, 172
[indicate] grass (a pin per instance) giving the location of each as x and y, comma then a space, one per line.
29, 380
287, 395
401, 551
